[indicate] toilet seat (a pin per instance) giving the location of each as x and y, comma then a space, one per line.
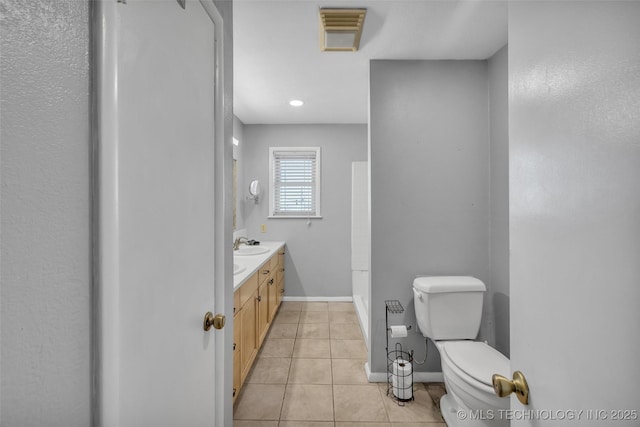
476, 359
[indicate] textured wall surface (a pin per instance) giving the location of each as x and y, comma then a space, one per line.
574, 153
318, 260
45, 199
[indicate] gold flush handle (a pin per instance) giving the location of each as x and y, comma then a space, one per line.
216, 321
504, 387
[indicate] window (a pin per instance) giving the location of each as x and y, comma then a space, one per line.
295, 182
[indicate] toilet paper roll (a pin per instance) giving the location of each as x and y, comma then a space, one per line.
402, 380
398, 331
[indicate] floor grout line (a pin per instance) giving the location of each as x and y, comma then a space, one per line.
291, 358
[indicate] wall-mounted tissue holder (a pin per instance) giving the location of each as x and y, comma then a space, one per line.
254, 191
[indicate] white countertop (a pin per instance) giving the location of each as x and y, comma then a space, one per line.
252, 263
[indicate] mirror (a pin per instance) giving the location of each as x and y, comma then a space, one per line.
235, 193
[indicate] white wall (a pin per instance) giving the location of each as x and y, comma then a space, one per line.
496, 307
429, 160
46, 215
574, 152
318, 260
360, 243
360, 229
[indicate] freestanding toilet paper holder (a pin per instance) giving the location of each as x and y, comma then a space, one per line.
399, 362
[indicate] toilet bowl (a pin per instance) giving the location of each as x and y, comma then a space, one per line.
467, 367
448, 310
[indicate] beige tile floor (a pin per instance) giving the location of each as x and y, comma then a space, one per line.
310, 373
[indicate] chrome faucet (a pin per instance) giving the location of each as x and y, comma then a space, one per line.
238, 241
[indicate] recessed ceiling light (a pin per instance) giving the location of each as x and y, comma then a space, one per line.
296, 103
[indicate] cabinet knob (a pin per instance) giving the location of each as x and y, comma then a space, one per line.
234, 392
259, 298
234, 346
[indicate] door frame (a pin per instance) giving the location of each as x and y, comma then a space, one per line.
223, 228
105, 326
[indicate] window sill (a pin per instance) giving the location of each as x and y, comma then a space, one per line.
293, 217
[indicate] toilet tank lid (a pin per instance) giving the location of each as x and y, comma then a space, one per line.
441, 284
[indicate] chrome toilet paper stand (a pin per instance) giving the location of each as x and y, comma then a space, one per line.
403, 383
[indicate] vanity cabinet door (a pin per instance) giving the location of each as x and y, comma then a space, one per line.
273, 297
263, 311
237, 361
249, 336
280, 291
237, 374
247, 290
280, 277
236, 303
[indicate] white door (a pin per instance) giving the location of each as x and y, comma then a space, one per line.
574, 80
156, 110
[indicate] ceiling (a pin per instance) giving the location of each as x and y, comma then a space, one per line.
277, 56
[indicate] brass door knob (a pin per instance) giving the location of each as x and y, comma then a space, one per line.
216, 321
504, 387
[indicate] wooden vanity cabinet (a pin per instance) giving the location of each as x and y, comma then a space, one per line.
255, 303
280, 276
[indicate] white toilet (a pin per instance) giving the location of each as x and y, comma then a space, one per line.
449, 309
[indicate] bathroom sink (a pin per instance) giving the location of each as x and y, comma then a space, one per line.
237, 268
251, 250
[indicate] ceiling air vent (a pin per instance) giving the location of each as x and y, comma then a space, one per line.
340, 29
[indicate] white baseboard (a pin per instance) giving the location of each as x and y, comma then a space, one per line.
318, 299
363, 320
418, 377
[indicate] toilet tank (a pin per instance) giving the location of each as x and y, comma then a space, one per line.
448, 307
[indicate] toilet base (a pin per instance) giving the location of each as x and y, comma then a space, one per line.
456, 416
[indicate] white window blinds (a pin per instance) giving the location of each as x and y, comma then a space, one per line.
295, 182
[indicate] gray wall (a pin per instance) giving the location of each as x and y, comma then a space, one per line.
429, 160
318, 261
46, 205
496, 306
